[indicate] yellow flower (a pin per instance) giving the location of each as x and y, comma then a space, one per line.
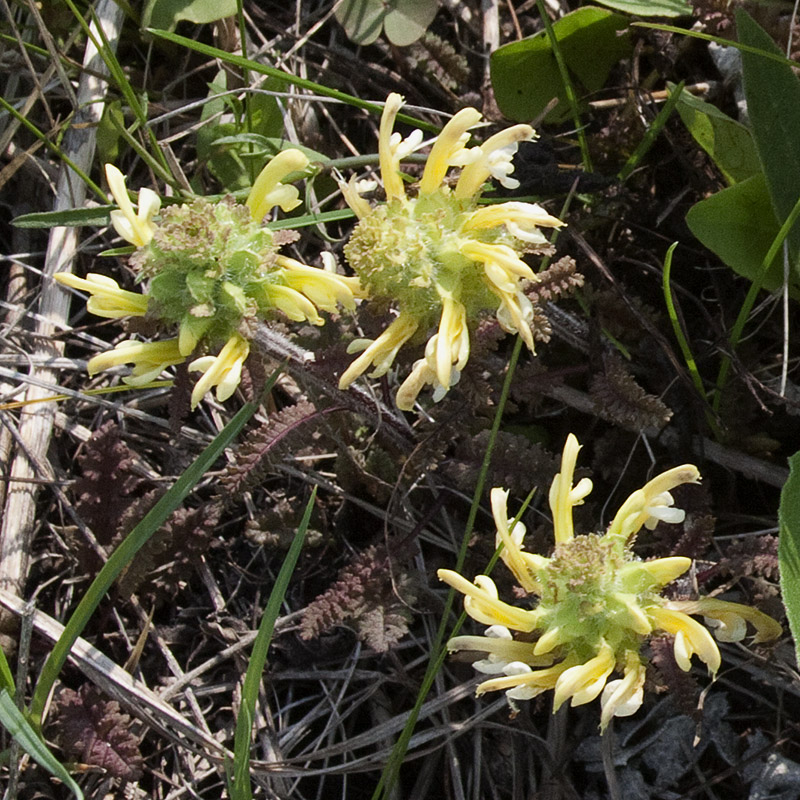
213, 272
150, 359
268, 191
223, 371
439, 257
106, 298
135, 227
597, 602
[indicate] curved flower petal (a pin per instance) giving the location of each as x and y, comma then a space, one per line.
563, 496
150, 359
223, 371
387, 150
107, 299
584, 682
624, 696
512, 542
481, 603
447, 149
495, 160
731, 618
136, 228
382, 351
690, 638
268, 191
649, 501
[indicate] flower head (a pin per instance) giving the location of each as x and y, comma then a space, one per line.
597, 603
439, 257
213, 271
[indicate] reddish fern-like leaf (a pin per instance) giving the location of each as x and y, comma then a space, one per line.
366, 597
93, 730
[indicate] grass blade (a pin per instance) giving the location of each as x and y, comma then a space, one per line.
128, 549
13, 720
241, 789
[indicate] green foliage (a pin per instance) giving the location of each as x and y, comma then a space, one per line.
403, 21
789, 546
729, 143
773, 101
238, 132
739, 225
525, 74
17, 724
650, 8
167, 14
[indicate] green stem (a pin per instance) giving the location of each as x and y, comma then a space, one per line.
391, 770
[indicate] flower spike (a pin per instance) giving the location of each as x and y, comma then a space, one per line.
441, 259
595, 603
212, 272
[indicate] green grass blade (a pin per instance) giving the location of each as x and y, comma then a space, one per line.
750, 299
13, 720
57, 151
721, 41
652, 132
677, 328
391, 771
119, 77
241, 789
128, 549
569, 88
272, 72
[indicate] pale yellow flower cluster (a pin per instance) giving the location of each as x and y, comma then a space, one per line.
441, 259
274, 281
596, 603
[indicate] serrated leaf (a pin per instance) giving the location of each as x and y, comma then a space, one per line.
166, 14
773, 102
789, 547
12, 719
525, 74
739, 225
650, 8
729, 143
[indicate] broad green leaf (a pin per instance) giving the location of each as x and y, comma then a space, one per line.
729, 143
362, 20
13, 720
403, 21
166, 14
789, 547
739, 225
773, 103
651, 8
408, 20
525, 74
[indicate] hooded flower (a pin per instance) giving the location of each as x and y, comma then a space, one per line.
597, 603
213, 270
441, 259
